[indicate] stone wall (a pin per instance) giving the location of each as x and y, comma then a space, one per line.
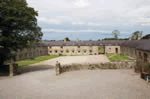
31, 52
73, 50
81, 50
110, 65
112, 49
128, 51
143, 58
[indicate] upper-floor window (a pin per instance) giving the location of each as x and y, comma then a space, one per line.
78, 46
50, 47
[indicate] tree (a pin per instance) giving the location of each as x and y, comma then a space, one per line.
115, 33
146, 36
136, 34
18, 25
67, 39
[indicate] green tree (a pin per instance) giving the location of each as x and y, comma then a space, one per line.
67, 39
115, 33
18, 25
136, 34
146, 36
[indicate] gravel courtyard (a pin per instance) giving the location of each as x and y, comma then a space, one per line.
89, 84
42, 83
91, 59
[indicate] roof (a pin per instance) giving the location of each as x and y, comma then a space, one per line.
138, 44
83, 43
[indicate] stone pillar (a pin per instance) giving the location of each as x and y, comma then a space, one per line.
11, 73
58, 71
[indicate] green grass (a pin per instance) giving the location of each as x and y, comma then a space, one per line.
36, 60
115, 57
109, 55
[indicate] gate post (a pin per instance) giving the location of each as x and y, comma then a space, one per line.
58, 71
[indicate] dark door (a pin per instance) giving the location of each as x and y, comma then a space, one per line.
117, 50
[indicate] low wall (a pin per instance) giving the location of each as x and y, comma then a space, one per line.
110, 65
9, 69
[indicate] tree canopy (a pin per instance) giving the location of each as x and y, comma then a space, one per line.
115, 33
18, 24
136, 34
146, 36
67, 39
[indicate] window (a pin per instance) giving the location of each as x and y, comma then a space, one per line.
79, 51
61, 47
78, 46
140, 56
90, 51
67, 51
50, 51
84, 51
72, 51
55, 51
50, 47
145, 58
61, 51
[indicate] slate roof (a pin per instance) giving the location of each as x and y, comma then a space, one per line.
139, 44
83, 43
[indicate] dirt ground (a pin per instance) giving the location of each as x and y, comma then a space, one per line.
89, 59
40, 82
89, 84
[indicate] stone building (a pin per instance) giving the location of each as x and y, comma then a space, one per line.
140, 50
137, 49
83, 47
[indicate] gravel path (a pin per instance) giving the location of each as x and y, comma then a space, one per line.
96, 84
91, 59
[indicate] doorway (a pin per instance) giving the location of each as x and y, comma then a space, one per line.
116, 50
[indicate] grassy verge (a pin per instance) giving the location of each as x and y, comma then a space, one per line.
36, 60
116, 57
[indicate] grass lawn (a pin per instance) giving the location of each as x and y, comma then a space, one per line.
115, 57
36, 60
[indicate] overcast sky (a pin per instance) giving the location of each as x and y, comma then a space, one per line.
91, 19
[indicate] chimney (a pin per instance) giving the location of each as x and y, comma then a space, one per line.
77, 40
65, 40
130, 38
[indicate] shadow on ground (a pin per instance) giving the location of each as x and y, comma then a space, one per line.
34, 68
27, 69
